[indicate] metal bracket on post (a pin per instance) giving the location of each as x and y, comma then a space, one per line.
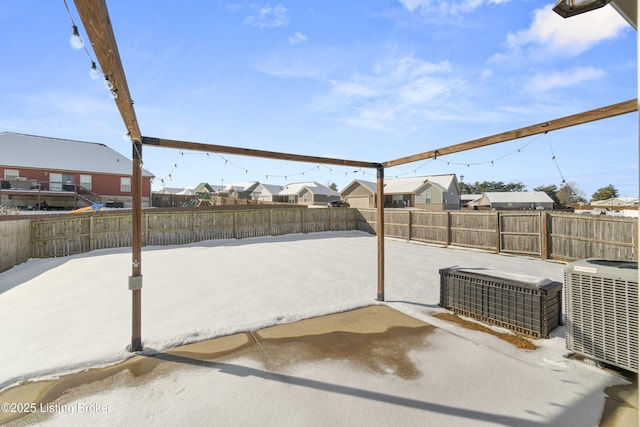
135, 283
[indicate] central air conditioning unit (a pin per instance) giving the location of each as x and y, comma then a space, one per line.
602, 311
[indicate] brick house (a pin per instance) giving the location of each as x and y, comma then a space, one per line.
64, 174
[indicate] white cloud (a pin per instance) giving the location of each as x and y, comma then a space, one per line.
395, 90
268, 16
575, 76
568, 36
353, 89
447, 7
297, 37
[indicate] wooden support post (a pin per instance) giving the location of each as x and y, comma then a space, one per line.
330, 219
194, 219
271, 222
380, 202
448, 225
302, 215
135, 281
498, 233
544, 235
409, 219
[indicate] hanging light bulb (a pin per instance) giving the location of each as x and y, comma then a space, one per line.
107, 83
114, 93
75, 40
93, 72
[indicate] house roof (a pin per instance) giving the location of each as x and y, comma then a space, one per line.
245, 186
170, 190
407, 185
314, 187
206, 187
270, 188
40, 152
186, 192
517, 197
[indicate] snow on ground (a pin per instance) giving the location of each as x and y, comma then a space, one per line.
66, 314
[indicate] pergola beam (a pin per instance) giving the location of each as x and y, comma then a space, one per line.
97, 24
564, 122
223, 149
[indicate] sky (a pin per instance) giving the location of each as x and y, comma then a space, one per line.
370, 81
462, 377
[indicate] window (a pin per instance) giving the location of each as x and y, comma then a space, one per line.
55, 181
427, 197
85, 181
125, 185
11, 174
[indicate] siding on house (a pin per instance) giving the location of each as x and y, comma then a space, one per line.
436, 193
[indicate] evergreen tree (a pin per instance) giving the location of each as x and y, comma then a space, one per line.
605, 193
490, 186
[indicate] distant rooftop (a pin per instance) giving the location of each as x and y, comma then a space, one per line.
40, 152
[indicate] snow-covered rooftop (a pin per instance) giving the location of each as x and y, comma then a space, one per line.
39, 152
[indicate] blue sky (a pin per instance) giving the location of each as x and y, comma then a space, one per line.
371, 81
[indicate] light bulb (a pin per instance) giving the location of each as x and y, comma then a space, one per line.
93, 72
108, 84
75, 40
114, 93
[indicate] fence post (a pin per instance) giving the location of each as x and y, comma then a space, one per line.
409, 226
498, 233
544, 235
235, 219
90, 233
448, 226
302, 230
271, 222
330, 219
146, 228
193, 227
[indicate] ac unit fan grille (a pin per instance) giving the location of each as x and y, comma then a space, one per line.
602, 318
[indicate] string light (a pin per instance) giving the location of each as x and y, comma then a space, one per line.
267, 176
93, 72
76, 41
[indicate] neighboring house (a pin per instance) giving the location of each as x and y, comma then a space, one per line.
175, 190
468, 201
615, 202
205, 187
360, 194
306, 193
62, 173
436, 193
243, 190
515, 200
266, 192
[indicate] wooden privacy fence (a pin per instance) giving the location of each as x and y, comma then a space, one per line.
548, 235
62, 235
544, 234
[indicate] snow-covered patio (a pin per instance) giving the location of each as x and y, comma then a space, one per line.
64, 315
